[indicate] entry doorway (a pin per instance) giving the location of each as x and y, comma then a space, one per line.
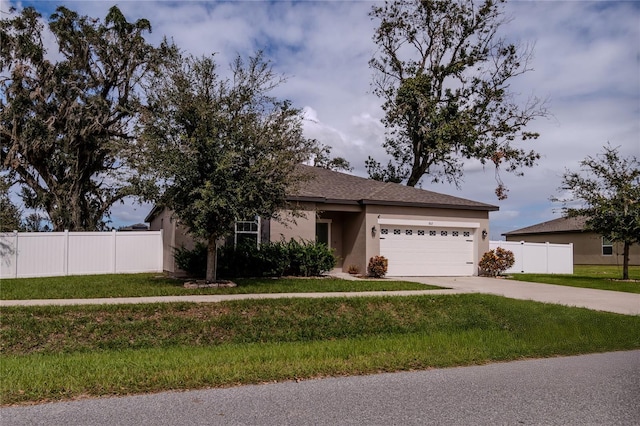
323, 232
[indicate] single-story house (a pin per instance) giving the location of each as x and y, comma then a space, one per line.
589, 248
421, 233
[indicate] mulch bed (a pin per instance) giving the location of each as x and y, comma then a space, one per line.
208, 284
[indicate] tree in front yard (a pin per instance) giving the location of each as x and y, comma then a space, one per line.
607, 189
224, 149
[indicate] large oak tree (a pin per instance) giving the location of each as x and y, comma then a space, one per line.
66, 116
224, 148
444, 74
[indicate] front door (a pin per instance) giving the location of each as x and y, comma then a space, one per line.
323, 233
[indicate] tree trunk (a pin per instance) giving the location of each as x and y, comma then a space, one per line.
212, 259
414, 178
625, 261
417, 171
418, 168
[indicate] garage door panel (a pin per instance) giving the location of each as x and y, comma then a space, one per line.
415, 251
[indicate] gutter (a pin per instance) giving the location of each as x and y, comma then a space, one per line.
363, 202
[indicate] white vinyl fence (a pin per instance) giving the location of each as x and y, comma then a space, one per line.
47, 254
538, 258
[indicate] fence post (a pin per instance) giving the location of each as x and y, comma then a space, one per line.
571, 245
15, 254
546, 258
161, 251
113, 265
65, 254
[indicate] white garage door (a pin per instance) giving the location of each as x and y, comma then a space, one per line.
427, 250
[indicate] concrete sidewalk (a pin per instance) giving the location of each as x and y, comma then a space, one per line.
214, 298
600, 300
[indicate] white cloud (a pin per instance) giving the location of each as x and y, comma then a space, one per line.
586, 62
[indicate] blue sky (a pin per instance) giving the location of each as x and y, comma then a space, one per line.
586, 63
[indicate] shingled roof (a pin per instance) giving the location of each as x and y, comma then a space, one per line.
563, 224
327, 186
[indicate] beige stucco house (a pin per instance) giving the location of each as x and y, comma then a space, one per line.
589, 248
421, 233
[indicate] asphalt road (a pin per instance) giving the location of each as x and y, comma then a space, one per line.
598, 389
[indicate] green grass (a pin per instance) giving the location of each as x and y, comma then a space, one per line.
53, 353
138, 285
590, 276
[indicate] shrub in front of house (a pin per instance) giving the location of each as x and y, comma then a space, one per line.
495, 262
275, 259
378, 266
245, 258
193, 262
240, 261
271, 260
309, 258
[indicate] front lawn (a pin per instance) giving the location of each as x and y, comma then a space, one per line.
589, 276
139, 285
56, 353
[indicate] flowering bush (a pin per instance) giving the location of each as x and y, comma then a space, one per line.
378, 266
495, 262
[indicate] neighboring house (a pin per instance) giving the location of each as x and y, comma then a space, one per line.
136, 227
421, 233
589, 248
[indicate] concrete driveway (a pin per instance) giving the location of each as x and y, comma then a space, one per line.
599, 300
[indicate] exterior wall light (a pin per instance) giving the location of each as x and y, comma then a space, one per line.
484, 234
373, 231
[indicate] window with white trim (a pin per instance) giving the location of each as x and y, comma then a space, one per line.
607, 247
247, 230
